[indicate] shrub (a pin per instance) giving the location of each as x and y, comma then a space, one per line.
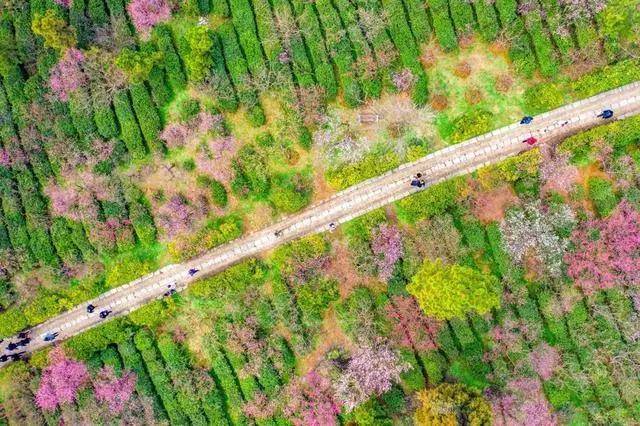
251, 178
137, 65
472, 123
290, 193
602, 195
431, 202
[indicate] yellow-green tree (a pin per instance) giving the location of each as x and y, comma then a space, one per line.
450, 291
452, 405
54, 30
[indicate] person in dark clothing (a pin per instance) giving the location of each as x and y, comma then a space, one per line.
51, 336
607, 113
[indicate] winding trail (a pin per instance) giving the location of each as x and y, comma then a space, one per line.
341, 207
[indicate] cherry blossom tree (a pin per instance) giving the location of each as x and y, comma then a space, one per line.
175, 134
403, 80
176, 215
523, 402
61, 380
310, 401
145, 14
411, 328
545, 360
64, 3
113, 390
371, 371
607, 251
67, 75
5, 159
387, 246
533, 230
304, 401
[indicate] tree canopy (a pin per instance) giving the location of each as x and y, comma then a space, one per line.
450, 291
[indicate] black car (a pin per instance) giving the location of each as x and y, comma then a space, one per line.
104, 314
24, 342
192, 272
4, 358
12, 346
91, 308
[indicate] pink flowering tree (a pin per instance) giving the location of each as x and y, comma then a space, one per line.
61, 380
371, 371
523, 402
411, 328
67, 75
5, 159
304, 401
145, 14
112, 390
545, 360
607, 251
309, 400
64, 3
387, 246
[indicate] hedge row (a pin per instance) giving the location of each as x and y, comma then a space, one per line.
140, 214
409, 52
341, 52
144, 387
418, 20
371, 83
542, 45
271, 44
245, 26
177, 365
160, 91
172, 65
242, 80
487, 20
229, 384
301, 65
520, 50
462, 16
146, 346
555, 20
147, 116
316, 47
130, 131
442, 25
380, 40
